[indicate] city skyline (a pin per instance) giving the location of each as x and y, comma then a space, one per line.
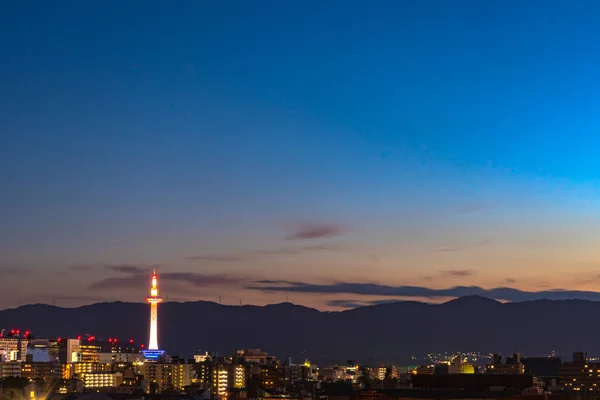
322, 154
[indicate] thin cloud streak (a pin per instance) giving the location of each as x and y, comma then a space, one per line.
499, 293
80, 268
358, 303
447, 249
345, 303
218, 258
128, 268
14, 271
458, 273
135, 274
250, 255
315, 231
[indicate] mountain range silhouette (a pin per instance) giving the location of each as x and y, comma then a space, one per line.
388, 333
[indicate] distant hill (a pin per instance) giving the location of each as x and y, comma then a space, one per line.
388, 333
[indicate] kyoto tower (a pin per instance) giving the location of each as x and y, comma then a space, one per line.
153, 352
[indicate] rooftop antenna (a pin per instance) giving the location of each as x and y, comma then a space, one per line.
220, 300
240, 302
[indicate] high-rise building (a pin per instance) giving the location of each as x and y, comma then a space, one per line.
153, 352
220, 380
158, 377
181, 375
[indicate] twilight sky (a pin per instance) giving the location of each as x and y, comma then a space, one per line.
333, 153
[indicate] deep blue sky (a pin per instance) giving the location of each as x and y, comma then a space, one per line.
146, 132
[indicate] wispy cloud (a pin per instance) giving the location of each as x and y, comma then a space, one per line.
80, 268
358, 303
276, 282
315, 231
475, 207
450, 248
458, 273
14, 271
449, 273
218, 258
133, 274
369, 289
78, 298
346, 303
129, 268
250, 255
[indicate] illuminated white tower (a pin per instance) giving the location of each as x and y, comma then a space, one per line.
153, 299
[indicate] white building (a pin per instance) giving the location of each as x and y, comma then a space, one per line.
73, 351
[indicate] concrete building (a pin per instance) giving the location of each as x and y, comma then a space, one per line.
220, 380
97, 380
38, 347
44, 373
203, 373
380, 372
270, 376
472, 382
89, 352
512, 366
10, 369
13, 349
202, 357
159, 377
255, 356
457, 366
120, 357
182, 375
20, 391
332, 374
70, 351
79, 369
581, 377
